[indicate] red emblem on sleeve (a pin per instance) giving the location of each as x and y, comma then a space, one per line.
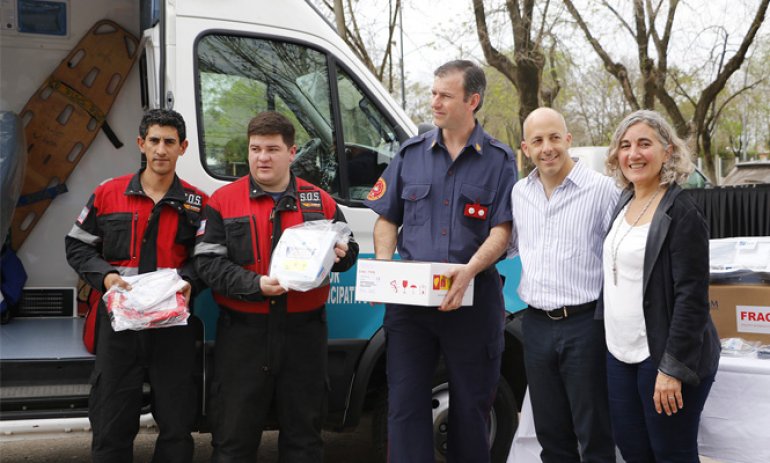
377, 190
476, 211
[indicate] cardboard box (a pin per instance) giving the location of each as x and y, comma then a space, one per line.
741, 311
405, 282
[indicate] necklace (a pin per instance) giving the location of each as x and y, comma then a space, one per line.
615, 247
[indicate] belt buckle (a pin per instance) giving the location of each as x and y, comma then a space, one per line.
564, 311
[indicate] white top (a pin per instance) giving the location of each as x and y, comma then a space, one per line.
560, 240
624, 324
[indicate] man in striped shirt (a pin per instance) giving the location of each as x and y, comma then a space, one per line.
561, 213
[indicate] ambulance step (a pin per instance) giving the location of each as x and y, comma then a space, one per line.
45, 391
44, 401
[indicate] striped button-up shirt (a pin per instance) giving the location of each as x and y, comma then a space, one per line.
560, 239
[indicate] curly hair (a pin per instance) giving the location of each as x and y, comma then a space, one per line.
678, 166
163, 118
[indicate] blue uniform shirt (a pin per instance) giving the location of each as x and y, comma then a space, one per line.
446, 208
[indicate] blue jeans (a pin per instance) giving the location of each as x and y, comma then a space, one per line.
643, 435
565, 363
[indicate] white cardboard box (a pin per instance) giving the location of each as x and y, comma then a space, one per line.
405, 282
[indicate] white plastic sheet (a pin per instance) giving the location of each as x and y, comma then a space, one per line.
154, 301
743, 253
304, 255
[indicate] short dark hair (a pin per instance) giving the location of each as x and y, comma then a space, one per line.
474, 80
272, 123
163, 118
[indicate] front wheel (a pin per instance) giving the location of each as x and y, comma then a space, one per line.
503, 419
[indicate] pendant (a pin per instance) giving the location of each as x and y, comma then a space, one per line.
615, 273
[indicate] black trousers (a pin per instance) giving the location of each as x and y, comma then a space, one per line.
566, 371
123, 360
262, 362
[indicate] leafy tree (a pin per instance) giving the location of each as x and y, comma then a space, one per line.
651, 29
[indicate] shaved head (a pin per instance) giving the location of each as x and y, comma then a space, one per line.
542, 114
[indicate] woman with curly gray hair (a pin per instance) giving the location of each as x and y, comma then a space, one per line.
663, 349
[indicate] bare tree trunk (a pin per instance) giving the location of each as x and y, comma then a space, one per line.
339, 15
708, 156
525, 71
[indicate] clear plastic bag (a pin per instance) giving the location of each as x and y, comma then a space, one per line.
304, 255
739, 347
154, 301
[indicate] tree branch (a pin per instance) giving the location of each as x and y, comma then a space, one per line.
495, 59
733, 64
616, 69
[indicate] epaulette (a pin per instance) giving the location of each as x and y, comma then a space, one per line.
416, 140
497, 143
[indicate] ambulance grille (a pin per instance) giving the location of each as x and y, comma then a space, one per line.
47, 302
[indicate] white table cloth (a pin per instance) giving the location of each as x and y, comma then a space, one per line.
735, 424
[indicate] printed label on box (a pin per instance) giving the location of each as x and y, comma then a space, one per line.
405, 282
752, 319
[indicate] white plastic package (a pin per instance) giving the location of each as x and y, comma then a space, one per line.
739, 347
304, 255
154, 301
740, 253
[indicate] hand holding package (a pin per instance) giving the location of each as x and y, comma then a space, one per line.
154, 301
304, 255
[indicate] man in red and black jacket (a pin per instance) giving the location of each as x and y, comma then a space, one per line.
271, 344
135, 224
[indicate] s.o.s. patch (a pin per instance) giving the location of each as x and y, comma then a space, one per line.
377, 190
310, 201
193, 201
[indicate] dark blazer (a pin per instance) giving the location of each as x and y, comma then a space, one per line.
680, 334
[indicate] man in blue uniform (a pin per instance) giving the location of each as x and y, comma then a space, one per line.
449, 191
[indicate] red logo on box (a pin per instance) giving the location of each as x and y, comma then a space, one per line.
441, 282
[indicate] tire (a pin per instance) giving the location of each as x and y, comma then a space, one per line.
504, 421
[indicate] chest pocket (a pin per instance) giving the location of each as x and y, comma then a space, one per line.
472, 194
188, 226
416, 204
239, 240
117, 230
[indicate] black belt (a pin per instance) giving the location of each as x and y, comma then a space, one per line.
565, 311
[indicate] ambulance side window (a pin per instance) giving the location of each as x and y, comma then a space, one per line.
370, 139
240, 76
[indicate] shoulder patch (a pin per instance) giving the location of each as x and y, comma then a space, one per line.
377, 190
83, 215
201, 229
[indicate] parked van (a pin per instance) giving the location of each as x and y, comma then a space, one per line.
218, 64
